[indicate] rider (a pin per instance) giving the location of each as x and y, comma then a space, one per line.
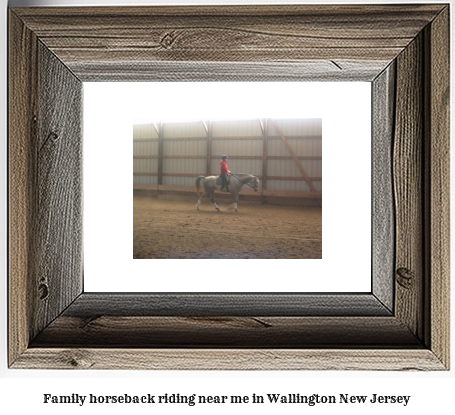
224, 173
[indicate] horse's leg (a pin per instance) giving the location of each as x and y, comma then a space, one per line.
212, 199
236, 197
234, 203
199, 201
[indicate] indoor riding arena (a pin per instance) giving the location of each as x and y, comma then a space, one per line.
279, 217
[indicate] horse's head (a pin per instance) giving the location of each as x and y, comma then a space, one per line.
256, 183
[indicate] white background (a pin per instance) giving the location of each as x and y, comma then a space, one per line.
22, 391
109, 109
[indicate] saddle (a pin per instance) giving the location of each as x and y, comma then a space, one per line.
219, 181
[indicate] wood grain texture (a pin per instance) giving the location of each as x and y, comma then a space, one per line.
22, 172
230, 304
383, 214
408, 188
253, 332
58, 205
229, 359
439, 187
156, 71
129, 40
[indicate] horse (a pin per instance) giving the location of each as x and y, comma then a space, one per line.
235, 185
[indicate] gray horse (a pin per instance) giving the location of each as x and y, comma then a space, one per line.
237, 181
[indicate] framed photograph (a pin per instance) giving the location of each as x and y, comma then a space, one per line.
281, 219
402, 323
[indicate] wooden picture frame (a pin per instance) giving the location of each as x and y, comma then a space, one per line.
403, 324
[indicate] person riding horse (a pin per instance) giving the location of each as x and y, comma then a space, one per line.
224, 171
236, 182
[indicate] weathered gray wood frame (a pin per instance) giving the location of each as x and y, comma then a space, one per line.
403, 324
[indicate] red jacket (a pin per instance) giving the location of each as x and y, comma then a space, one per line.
223, 168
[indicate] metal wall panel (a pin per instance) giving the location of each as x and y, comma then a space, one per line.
308, 127
145, 165
145, 148
305, 139
185, 148
143, 131
237, 147
145, 180
184, 166
180, 181
233, 128
184, 129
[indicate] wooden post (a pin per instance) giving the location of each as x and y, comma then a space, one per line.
265, 131
307, 179
160, 153
208, 129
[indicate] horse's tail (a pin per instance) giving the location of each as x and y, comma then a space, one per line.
198, 180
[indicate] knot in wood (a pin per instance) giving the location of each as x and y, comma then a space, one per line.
405, 278
168, 40
43, 291
53, 136
76, 359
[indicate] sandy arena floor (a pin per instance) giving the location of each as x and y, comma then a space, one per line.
170, 227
